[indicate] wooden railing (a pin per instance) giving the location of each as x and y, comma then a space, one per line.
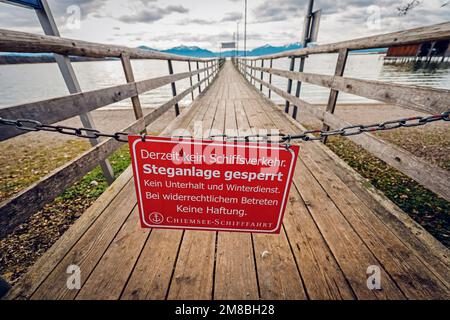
17, 209
416, 98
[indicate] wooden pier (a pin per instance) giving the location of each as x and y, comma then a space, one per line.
336, 224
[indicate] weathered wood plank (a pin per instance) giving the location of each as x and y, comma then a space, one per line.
129, 76
324, 240
174, 88
292, 99
434, 253
321, 274
45, 264
235, 273
332, 99
193, 275
405, 268
430, 176
416, 35
17, 209
53, 110
191, 279
419, 242
272, 252
235, 268
190, 79
15, 41
150, 278
347, 247
415, 236
419, 98
110, 275
89, 248
349, 250
100, 274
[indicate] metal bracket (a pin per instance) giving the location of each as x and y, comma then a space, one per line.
48, 24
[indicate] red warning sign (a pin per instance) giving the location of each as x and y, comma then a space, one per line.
211, 185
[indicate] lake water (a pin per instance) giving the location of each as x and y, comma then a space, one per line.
31, 82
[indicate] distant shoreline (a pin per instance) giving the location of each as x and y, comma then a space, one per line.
12, 59
21, 59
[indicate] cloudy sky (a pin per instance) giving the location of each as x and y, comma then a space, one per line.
205, 23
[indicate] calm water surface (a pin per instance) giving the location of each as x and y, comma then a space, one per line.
31, 82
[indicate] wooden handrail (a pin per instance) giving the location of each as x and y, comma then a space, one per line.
429, 33
15, 41
53, 110
16, 210
430, 176
423, 99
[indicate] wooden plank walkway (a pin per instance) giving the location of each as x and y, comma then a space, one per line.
335, 227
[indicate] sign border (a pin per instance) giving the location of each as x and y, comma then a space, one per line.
211, 142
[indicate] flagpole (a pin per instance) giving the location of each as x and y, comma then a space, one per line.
245, 31
237, 40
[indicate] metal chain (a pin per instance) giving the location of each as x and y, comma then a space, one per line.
34, 125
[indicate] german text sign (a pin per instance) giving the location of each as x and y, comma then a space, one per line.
211, 185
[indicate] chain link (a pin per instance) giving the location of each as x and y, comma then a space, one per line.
309, 135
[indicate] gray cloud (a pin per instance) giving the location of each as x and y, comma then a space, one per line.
59, 7
286, 9
267, 12
12, 16
153, 13
341, 20
185, 22
229, 17
205, 40
232, 16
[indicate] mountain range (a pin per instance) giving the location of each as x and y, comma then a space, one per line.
194, 51
191, 51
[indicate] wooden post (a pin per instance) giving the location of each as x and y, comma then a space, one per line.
207, 71
129, 76
50, 28
270, 77
174, 88
190, 79
204, 73
332, 99
198, 80
299, 85
253, 72
262, 75
289, 86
